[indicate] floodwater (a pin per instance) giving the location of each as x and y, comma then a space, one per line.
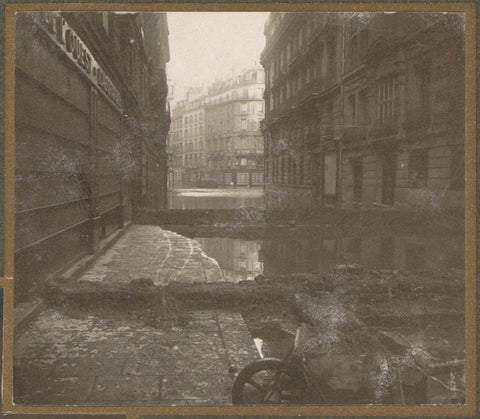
291, 250
186, 199
297, 249
300, 249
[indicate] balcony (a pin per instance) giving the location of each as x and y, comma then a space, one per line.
417, 118
384, 128
354, 133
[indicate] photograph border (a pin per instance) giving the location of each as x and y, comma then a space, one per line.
7, 282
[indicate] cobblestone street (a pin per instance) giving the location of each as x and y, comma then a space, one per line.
72, 356
67, 359
160, 255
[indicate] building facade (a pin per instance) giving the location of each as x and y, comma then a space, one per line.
91, 124
175, 148
193, 139
234, 142
363, 108
216, 139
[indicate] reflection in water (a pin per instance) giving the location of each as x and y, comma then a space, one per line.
292, 249
239, 259
215, 198
286, 253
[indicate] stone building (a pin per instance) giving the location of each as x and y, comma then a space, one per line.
234, 142
175, 147
187, 140
216, 138
90, 129
364, 108
193, 138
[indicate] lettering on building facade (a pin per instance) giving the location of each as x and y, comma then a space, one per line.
65, 37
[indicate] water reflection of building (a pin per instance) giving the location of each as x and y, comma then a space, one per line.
239, 259
314, 253
364, 107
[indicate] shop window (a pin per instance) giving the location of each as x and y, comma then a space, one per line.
257, 178
242, 178
418, 168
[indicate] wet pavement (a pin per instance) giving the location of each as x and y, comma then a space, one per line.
113, 359
105, 355
154, 253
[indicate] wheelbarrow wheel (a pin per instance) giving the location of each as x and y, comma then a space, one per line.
268, 381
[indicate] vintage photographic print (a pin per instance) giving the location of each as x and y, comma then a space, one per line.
240, 208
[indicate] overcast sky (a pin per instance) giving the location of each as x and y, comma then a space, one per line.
204, 46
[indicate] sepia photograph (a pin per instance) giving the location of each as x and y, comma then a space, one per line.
239, 208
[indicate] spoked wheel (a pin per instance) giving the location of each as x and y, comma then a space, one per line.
268, 381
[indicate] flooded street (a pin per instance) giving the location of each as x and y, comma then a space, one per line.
350, 276
187, 199
278, 250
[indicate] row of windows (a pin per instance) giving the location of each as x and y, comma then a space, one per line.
296, 45
245, 93
194, 131
243, 144
193, 118
355, 106
297, 170
290, 170
309, 72
223, 127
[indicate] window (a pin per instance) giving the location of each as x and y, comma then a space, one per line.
257, 178
243, 161
242, 178
293, 165
243, 124
418, 168
421, 83
385, 99
330, 178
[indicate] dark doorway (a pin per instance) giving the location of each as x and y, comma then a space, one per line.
357, 165
389, 174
